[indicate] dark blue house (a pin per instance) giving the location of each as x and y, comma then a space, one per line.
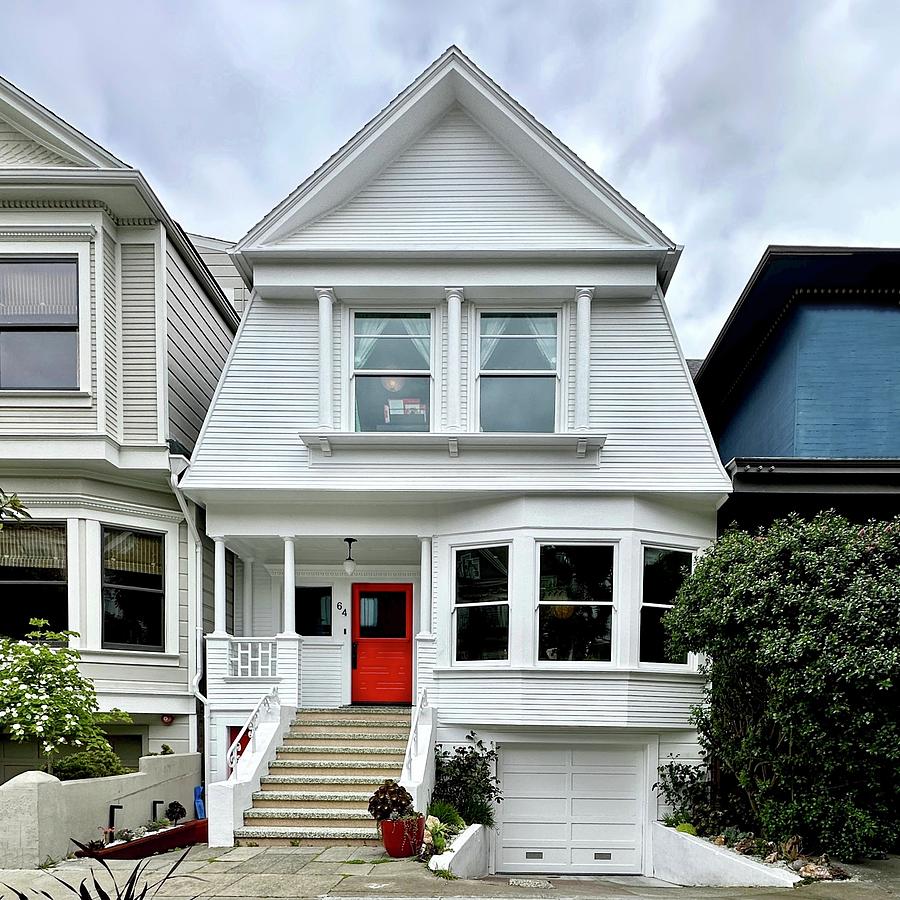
802, 386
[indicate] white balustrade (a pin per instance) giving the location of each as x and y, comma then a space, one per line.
253, 658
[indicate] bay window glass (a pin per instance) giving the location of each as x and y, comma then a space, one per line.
313, 615
133, 587
32, 578
664, 573
38, 324
518, 371
575, 603
392, 371
481, 608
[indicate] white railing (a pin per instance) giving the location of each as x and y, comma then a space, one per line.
417, 775
267, 708
253, 658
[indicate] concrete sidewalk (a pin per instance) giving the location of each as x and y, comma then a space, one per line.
351, 873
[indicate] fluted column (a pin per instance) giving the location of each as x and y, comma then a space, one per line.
326, 357
219, 629
289, 618
248, 596
583, 298
454, 298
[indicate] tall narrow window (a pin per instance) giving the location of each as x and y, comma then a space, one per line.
32, 578
133, 590
38, 324
313, 611
518, 371
575, 606
481, 609
664, 573
392, 371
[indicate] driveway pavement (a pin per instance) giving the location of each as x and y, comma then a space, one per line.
351, 873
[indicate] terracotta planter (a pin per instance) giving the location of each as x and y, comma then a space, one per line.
193, 832
403, 837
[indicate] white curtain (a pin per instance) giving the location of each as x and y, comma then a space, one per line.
34, 292
367, 331
541, 328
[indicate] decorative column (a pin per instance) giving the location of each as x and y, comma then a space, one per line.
583, 298
219, 629
247, 596
454, 298
326, 357
425, 587
289, 618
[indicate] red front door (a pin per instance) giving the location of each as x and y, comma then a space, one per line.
382, 643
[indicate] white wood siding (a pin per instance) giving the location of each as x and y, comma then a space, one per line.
111, 335
214, 253
456, 186
139, 376
321, 673
17, 150
198, 344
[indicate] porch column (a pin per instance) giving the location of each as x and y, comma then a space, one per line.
288, 618
583, 298
247, 596
219, 629
454, 373
326, 358
425, 587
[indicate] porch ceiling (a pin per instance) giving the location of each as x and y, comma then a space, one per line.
330, 550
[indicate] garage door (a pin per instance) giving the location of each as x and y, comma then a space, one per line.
571, 808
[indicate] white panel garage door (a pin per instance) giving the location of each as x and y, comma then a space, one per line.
571, 808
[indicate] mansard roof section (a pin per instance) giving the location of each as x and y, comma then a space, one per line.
31, 136
331, 211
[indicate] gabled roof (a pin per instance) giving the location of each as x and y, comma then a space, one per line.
451, 81
63, 144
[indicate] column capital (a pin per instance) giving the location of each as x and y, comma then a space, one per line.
325, 293
247, 559
288, 537
216, 537
454, 293
584, 293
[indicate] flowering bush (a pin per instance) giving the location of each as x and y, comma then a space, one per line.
43, 697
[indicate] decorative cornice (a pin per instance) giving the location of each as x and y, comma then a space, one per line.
338, 571
79, 204
100, 504
48, 232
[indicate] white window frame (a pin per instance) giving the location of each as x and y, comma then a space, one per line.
319, 585
81, 252
499, 373
693, 659
481, 663
564, 541
433, 414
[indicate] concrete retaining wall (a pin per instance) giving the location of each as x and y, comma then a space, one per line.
468, 856
40, 813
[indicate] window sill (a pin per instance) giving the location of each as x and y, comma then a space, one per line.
45, 398
136, 657
566, 670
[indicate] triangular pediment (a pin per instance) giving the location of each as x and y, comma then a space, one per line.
453, 163
18, 151
456, 187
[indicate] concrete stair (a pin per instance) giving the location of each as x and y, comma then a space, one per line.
318, 787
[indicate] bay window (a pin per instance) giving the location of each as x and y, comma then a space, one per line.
38, 324
575, 603
481, 603
518, 371
33, 577
392, 371
133, 590
664, 573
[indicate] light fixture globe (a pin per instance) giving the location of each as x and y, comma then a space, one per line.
349, 562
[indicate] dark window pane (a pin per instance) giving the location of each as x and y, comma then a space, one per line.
38, 292
392, 403
576, 572
526, 403
39, 360
313, 611
33, 600
576, 633
482, 575
653, 637
482, 632
664, 573
132, 619
382, 614
33, 552
398, 341
133, 559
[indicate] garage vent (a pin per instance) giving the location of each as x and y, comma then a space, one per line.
534, 854
603, 856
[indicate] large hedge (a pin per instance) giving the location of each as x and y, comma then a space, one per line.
800, 625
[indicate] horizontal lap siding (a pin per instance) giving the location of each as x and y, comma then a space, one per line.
455, 186
198, 345
223, 270
17, 150
139, 376
321, 675
112, 361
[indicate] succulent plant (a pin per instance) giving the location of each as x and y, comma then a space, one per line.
390, 801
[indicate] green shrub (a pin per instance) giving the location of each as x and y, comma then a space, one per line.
464, 777
688, 791
800, 627
686, 828
96, 763
447, 813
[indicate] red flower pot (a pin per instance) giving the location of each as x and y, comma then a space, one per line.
403, 837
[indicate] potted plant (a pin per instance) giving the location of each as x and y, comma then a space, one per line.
402, 828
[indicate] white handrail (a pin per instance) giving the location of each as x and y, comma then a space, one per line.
412, 745
265, 704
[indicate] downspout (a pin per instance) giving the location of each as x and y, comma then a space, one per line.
178, 465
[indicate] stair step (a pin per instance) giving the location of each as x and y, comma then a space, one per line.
313, 725
313, 799
341, 750
328, 738
319, 783
285, 836
311, 818
356, 713
373, 768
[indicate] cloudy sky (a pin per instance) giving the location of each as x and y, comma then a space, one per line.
732, 124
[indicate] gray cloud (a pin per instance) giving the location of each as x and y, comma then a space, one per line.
732, 125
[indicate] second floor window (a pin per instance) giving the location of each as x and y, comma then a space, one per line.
38, 324
518, 372
392, 371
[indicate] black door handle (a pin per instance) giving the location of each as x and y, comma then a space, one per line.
354, 648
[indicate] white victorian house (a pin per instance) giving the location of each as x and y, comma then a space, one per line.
457, 353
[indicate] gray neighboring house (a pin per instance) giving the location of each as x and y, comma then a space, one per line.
113, 334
